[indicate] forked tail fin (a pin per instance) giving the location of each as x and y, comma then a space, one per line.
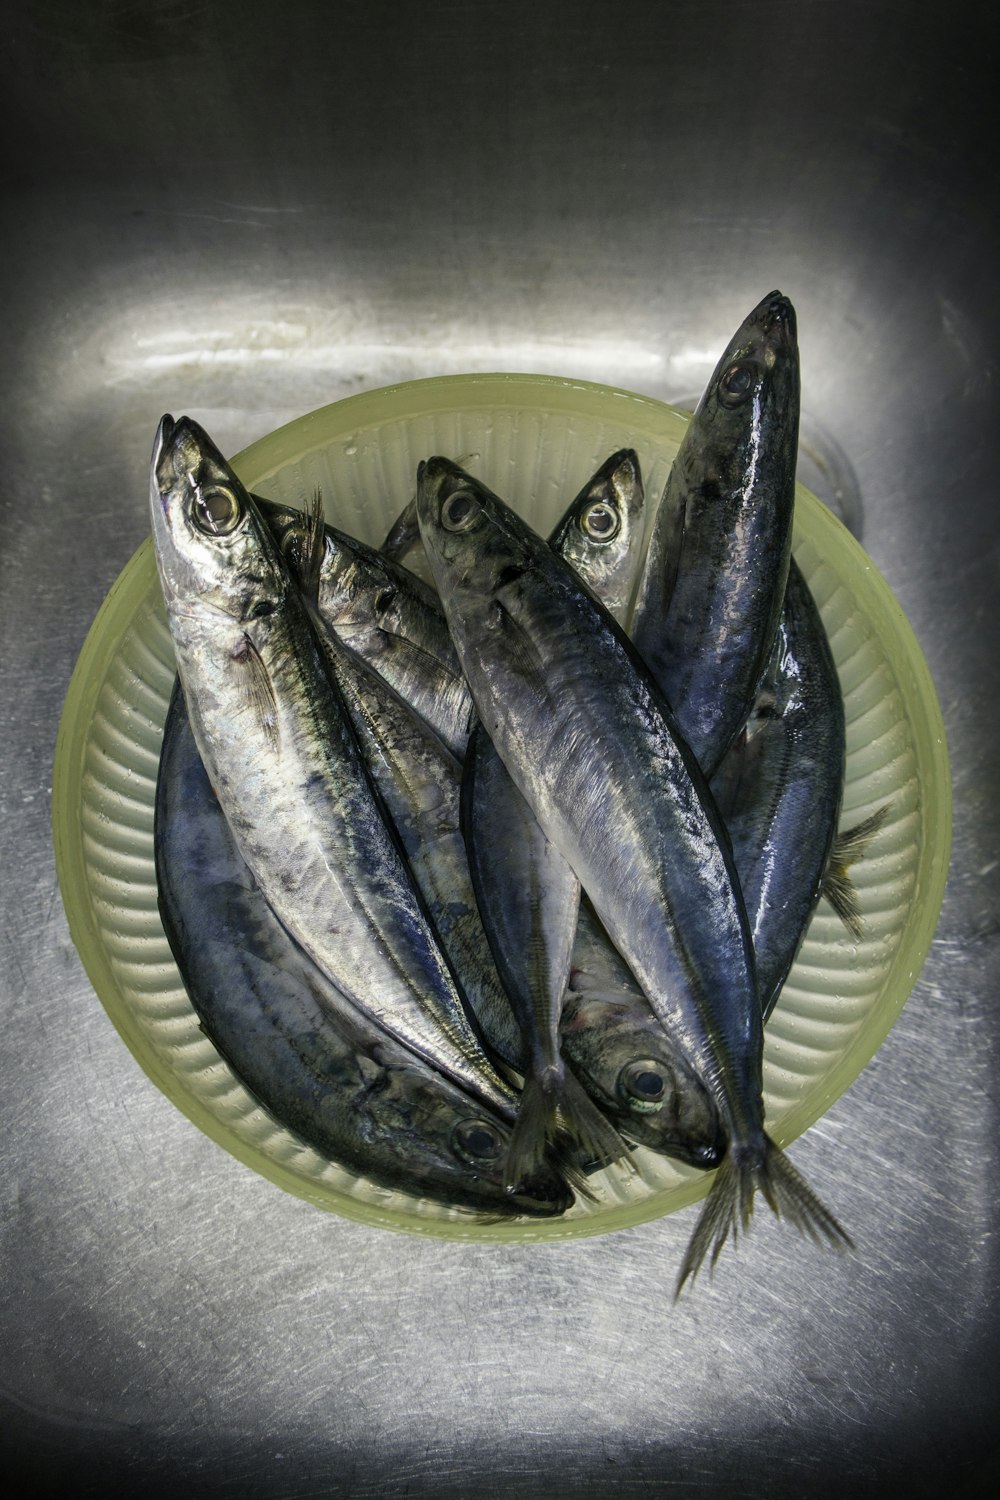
729, 1206
555, 1106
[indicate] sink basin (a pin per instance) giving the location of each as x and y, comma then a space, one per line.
248, 223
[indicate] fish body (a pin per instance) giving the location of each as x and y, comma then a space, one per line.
586, 738
317, 1064
420, 782
387, 615
593, 748
527, 892
710, 595
282, 756
779, 788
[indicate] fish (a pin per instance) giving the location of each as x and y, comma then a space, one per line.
530, 924
419, 781
593, 747
283, 758
528, 894
710, 594
779, 790
318, 1066
385, 613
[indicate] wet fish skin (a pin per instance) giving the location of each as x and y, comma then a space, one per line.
285, 764
593, 748
388, 616
550, 671
528, 894
779, 788
420, 781
320, 1068
708, 602
606, 1034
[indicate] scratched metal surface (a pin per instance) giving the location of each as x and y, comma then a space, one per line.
247, 221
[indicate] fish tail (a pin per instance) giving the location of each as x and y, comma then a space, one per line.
848, 848
729, 1207
588, 1127
404, 534
555, 1107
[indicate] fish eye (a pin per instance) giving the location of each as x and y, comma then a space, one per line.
477, 1142
459, 511
216, 511
293, 542
600, 521
738, 384
642, 1085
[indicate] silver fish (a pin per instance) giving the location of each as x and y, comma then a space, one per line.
710, 595
385, 613
320, 1067
528, 894
284, 761
419, 781
779, 790
592, 747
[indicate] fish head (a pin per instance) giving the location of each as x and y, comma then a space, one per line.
440, 1140
626, 1062
480, 1146
750, 406
601, 532
210, 543
469, 542
291, 532
453, 1148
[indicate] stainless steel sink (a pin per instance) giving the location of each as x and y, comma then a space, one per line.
246, 212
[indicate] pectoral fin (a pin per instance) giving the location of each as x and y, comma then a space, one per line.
258, 691
848, 848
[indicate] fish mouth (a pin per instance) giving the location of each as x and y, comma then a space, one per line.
167, 462
622, 466
779, 321
438, 467
164, 435
432, 474
184, 455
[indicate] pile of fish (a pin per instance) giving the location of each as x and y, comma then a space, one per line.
478, 889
